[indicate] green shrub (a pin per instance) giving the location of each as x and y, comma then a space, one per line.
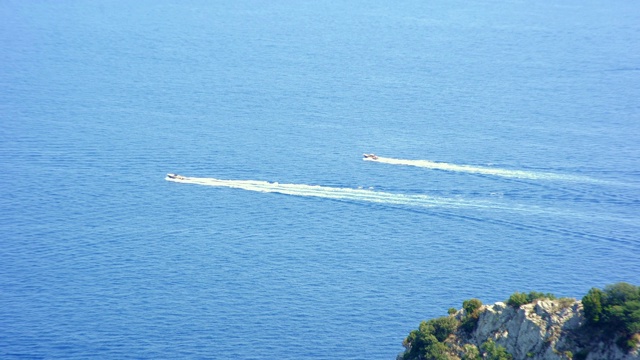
619, 293
472, 307
472, 313
452, 311
444, 326
471, 352
534, 295
427, 341
493, 351
615, 311
517, 299
592, 304
437, 351
626, 316
416, 342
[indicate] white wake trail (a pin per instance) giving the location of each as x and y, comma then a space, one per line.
338, 193
380, 197
520, 174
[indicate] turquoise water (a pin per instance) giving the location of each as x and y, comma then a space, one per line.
508, 139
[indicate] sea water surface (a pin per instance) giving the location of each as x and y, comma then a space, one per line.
509, 142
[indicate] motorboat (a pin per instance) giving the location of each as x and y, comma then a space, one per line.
175, 176
370, 156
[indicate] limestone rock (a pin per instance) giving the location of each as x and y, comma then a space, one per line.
542, 330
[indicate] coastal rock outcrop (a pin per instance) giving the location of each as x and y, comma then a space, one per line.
545, 329
540, 329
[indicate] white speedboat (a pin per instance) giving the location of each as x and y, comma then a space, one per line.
175, 176
370, 156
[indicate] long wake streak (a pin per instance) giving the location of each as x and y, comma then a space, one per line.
520, 174
386, 198
339, 193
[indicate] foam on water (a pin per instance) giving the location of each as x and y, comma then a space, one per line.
443, 204
351, 194
327, 192
520, 174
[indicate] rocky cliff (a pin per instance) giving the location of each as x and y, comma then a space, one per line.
545, 329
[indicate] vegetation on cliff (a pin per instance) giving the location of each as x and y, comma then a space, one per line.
615, 312
518, 299
609, 316
429, 341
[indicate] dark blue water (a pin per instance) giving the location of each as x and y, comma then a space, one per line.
529, 112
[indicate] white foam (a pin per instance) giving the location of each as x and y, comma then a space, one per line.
520, 174
338, 193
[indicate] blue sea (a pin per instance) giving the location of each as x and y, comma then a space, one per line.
508, 136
